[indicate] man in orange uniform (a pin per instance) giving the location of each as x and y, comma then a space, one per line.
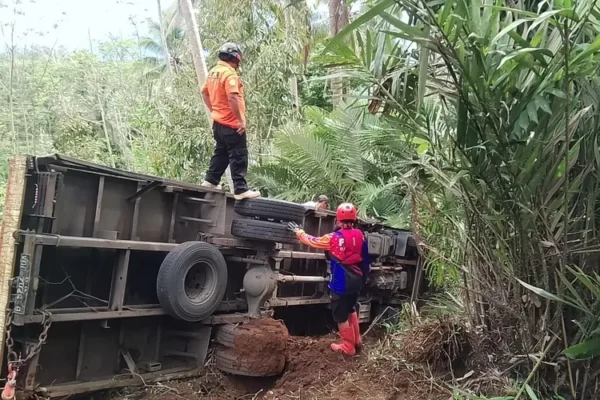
348, 255
224, 96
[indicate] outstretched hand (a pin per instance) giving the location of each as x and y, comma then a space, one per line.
294, 227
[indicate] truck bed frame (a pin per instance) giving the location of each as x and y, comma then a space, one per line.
83, 243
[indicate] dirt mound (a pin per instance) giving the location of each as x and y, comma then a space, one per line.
440, 344
315, 372
312, 371
310, 360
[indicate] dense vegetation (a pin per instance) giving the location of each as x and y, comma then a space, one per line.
474, 122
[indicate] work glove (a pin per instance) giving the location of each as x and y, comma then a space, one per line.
294, 227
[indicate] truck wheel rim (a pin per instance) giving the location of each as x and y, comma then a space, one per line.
199, 282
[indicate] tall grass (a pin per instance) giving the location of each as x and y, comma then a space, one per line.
512, 176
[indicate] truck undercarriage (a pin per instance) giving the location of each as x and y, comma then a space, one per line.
109, 276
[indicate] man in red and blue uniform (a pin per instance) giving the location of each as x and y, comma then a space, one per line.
348, 254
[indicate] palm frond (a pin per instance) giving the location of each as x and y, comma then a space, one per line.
151, 45
327, 155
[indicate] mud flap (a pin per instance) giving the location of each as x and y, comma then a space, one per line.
200, 346
192, 343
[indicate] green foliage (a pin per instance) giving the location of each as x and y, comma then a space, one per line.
155, 53
379, 67
507, 171
313, 89
581, 292
116, 106
105, 109
272, 38
341, 154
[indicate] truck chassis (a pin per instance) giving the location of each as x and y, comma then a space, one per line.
82, 247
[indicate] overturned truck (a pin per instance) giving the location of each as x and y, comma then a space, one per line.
112, 278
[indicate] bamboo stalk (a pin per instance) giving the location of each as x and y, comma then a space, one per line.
535, 368
566, 193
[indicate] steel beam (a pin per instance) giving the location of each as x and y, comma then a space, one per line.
299, 254
96, 243
119, 281
69, 389
301, 278
95, 315
297, 301
253, 261
84, 314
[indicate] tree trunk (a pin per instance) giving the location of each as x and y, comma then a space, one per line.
309, 39
338, 19
187, 10
294, 91
293, 80
163, 39
13, 47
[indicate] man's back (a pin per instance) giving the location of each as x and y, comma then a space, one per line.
221, 82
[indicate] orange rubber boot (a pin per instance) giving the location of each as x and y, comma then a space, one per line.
347, 345
353, 321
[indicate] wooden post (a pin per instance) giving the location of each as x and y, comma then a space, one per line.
11, 221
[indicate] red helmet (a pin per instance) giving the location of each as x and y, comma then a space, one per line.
346, 212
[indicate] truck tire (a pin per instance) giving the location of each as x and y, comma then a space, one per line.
277, 210
262, 230
248, 365
191, 281
226, 335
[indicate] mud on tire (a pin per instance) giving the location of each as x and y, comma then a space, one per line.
277, 210
255, 348
262, 230
226, 335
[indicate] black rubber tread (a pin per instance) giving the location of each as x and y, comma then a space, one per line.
262, 230
171, 278
277, 210
226, 335
246, 366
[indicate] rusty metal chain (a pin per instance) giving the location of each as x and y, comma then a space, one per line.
12, 356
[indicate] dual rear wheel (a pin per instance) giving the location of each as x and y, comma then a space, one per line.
270, 220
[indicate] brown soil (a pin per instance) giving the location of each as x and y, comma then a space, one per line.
313, 371
311, 359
